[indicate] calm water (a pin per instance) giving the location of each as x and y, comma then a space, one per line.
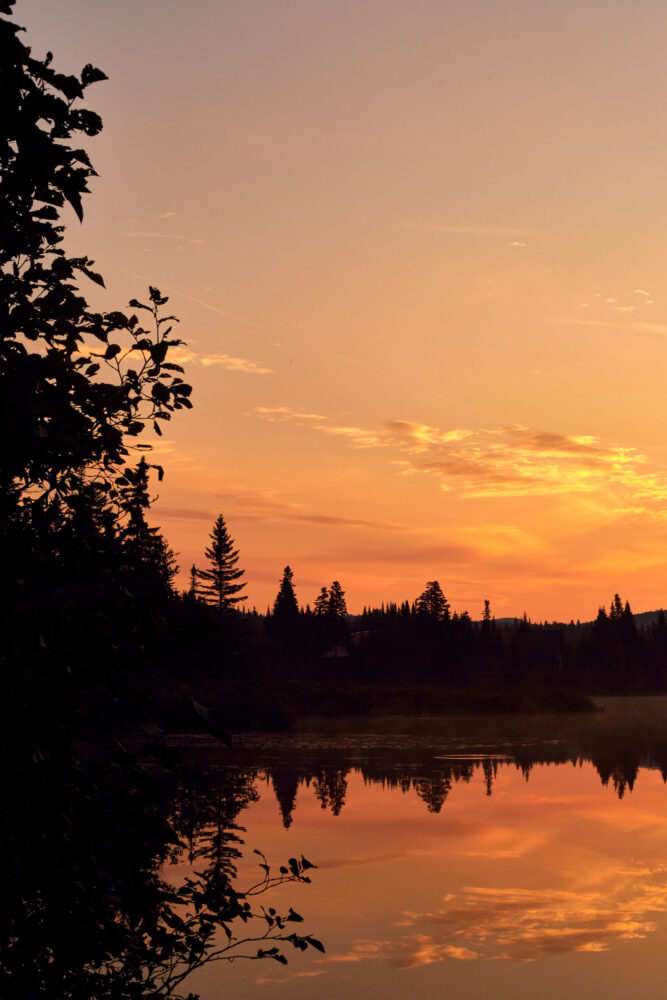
499, 863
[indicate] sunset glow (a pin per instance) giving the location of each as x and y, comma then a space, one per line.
417, 251
484, 892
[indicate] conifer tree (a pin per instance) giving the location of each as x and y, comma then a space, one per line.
337, 607
285, 606
322, 602
220, 581
432, 602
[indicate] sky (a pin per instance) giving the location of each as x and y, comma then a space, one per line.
417, 251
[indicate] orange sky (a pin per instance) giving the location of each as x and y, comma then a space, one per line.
418, 252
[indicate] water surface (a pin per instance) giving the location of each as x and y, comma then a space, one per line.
503, 862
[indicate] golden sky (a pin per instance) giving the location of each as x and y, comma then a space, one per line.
418, 253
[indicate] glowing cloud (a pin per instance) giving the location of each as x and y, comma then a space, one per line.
508, 461
525, 924
235, 364
184, 355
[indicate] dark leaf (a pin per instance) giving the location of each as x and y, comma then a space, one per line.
97, 278
91, 74
314, 943
67, 85
159, 352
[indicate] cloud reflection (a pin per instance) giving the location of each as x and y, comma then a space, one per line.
526, 924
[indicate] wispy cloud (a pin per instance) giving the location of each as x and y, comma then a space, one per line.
468, 230
522, 461
186, 356
599, 305
526, 924
233, 364
267, 505
522, 925
359, 437
275, 414
508, 461
143, 234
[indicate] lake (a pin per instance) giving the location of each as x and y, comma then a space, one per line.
505, 857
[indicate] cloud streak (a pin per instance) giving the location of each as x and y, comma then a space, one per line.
527, 924
524, 925
186, 356
470, 230
269, 505
143, 234
233, 364
506, 461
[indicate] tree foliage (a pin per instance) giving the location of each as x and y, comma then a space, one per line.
220, 587
88, 614
76, 383
337, 607
432, 602
322, 602
285, 606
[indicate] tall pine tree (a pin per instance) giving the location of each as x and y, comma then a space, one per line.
285, 606
220, 587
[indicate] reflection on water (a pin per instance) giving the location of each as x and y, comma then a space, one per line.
497, 865
509, 858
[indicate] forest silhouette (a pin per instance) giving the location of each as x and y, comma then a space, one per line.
90, 621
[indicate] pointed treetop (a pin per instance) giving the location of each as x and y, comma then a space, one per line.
220, 585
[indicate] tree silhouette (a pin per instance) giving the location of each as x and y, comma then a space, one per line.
432, 602
285, 607
220, 580
286, 624
337, 607
322, 602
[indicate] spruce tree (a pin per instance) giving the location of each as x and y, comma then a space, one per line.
432, 602
220, 587
337, 607
322, 602
285, 606
192, 592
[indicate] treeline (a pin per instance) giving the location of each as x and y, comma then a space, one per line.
421, 642
409, 643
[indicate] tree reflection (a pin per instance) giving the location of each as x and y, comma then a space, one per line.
432, 769
89, 909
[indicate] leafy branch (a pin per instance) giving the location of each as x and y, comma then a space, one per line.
183, 942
